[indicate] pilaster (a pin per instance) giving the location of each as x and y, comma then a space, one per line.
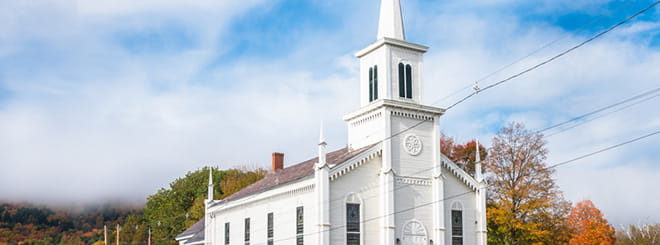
438, 189
387, 186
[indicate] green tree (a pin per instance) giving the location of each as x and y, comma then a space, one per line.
525, 206
170, 211
134, 230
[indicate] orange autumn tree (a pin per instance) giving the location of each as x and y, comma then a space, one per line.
462, 154
589, 226
525, 205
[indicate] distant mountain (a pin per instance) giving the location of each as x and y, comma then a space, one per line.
25, 223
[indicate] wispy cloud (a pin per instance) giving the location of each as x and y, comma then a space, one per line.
116, 99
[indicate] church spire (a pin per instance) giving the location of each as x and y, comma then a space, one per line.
209, 195
477, 166
391, 23
322, 153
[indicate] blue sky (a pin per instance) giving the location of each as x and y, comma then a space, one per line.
114, 99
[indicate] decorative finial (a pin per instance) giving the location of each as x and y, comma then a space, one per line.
477, 163
391, 21
321, 135
209, 195
322, 154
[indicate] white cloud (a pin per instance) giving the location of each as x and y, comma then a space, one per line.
92, 119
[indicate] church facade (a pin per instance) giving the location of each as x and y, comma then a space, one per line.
390, 186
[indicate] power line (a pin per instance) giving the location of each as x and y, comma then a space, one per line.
508, 79
556, 56
591, 119
590, 113
375, 217
604, 150
531, 53
602, 109
469, 192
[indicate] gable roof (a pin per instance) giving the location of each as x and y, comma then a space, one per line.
459, 172
295, 172
194, 232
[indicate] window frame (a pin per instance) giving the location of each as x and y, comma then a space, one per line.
457, 232
409, 81
354, 199
270, 231
373, 83
300, 225
405, 81
246, 231
227, 233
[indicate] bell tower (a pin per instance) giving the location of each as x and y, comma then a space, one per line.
391, 114
390, 71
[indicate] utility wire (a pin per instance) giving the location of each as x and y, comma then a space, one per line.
469, 192
531, 53
515, 76
604, 150
602, 109
594, 118
373, 218
585, 115
556, 56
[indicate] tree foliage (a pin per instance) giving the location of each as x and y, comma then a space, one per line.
524, 206
589, 226
170, 211
31, 224
648, 234
462, 154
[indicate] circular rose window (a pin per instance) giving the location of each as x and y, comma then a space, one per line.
412, 144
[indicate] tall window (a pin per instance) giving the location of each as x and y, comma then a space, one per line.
270, 229
247, 231
373, 83
457, 227
299, 226
405, 81
227, 233
352, 224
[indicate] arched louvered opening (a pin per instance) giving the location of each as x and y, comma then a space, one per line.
405, 81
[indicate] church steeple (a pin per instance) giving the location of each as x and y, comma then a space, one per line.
209, 194
391, 22
390, 79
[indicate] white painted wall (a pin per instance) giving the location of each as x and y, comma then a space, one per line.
411, 203
283, 207
405, 164
367, 129
364, 182
413, 58
375, 58
455, 187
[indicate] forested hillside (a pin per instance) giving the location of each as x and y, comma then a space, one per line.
166, 213
30, 224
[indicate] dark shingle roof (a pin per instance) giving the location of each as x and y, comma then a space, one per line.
286, 175
196, 230
295, 172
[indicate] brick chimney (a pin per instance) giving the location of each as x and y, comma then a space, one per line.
278, 161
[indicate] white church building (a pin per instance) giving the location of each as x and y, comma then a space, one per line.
390, 186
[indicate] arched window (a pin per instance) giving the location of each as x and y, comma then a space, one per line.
353, 219
375, 92
457, 223
405, 81
408, 81
373, 83
402, 81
